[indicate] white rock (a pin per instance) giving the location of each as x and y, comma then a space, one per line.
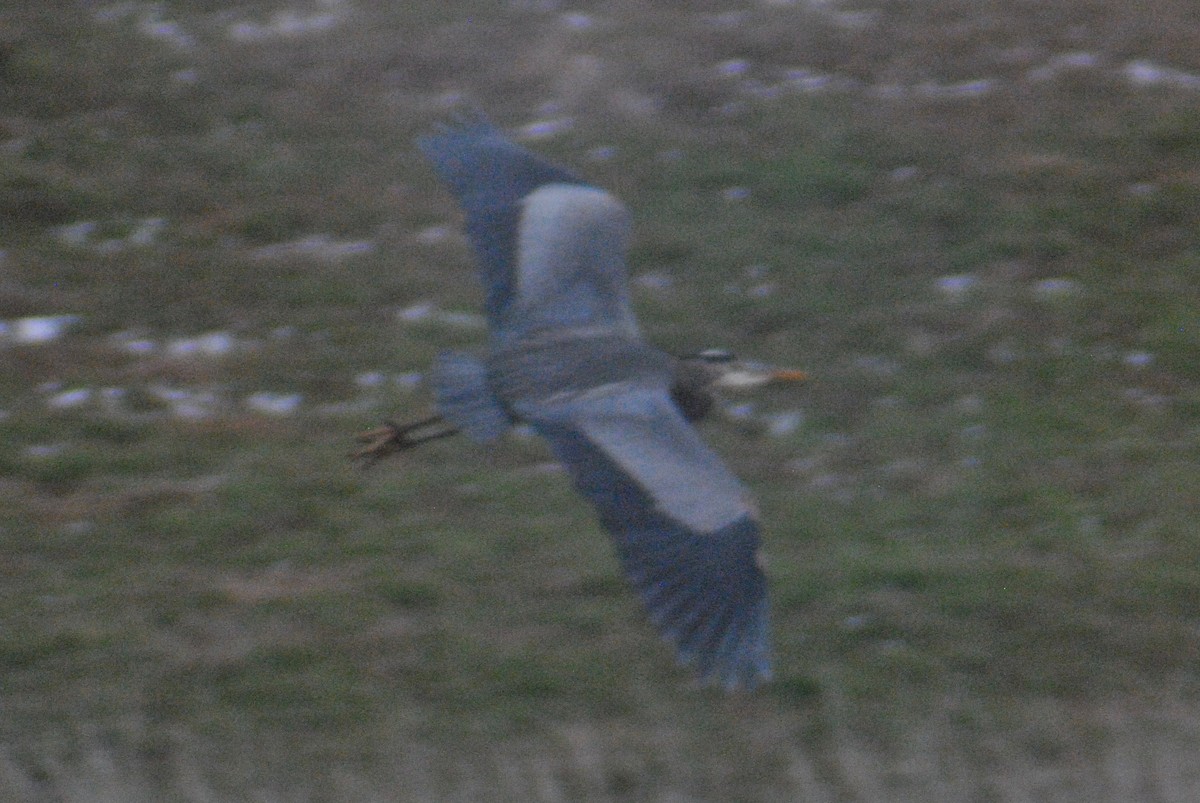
369, 379
957, 286
67, 399
732, 68
274, 403
76, 233
1055, 288
211, 344
1138, 359
542, 129
42, 328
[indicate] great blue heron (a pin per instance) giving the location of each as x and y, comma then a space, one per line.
565, 356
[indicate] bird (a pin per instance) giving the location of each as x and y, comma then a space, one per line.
564, 356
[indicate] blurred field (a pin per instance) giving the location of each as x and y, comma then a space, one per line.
976, 223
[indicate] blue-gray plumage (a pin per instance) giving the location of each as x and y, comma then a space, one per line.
565, 356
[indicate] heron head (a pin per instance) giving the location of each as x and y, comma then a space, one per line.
697, 375
729, 373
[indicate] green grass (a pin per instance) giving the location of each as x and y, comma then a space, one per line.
982, 542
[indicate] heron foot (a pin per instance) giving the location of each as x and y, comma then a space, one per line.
391, 438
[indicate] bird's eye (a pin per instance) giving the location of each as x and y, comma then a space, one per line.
716, 356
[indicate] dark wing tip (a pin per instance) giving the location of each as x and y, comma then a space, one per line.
485, 168
703, 588
465, 128
489, 174
728, 649
708, 598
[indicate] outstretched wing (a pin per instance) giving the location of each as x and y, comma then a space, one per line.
685, 530
551, 247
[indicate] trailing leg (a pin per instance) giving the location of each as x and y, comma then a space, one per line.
391, 438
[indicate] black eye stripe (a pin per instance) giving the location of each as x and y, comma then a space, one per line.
715, 356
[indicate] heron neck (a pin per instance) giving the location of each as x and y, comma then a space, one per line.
690, 391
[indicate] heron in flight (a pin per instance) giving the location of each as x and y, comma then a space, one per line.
565, 356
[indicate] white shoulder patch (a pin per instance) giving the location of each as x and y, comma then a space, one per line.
566, 231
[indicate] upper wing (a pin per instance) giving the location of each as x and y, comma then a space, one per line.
551, 247
685, 530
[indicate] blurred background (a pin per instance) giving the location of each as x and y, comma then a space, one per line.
975, 223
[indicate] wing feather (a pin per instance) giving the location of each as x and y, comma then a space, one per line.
702, 586
551, 252
489, 174
550, 246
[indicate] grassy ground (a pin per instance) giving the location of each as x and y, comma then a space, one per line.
222, 258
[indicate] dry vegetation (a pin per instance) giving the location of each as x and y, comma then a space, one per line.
975, 222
